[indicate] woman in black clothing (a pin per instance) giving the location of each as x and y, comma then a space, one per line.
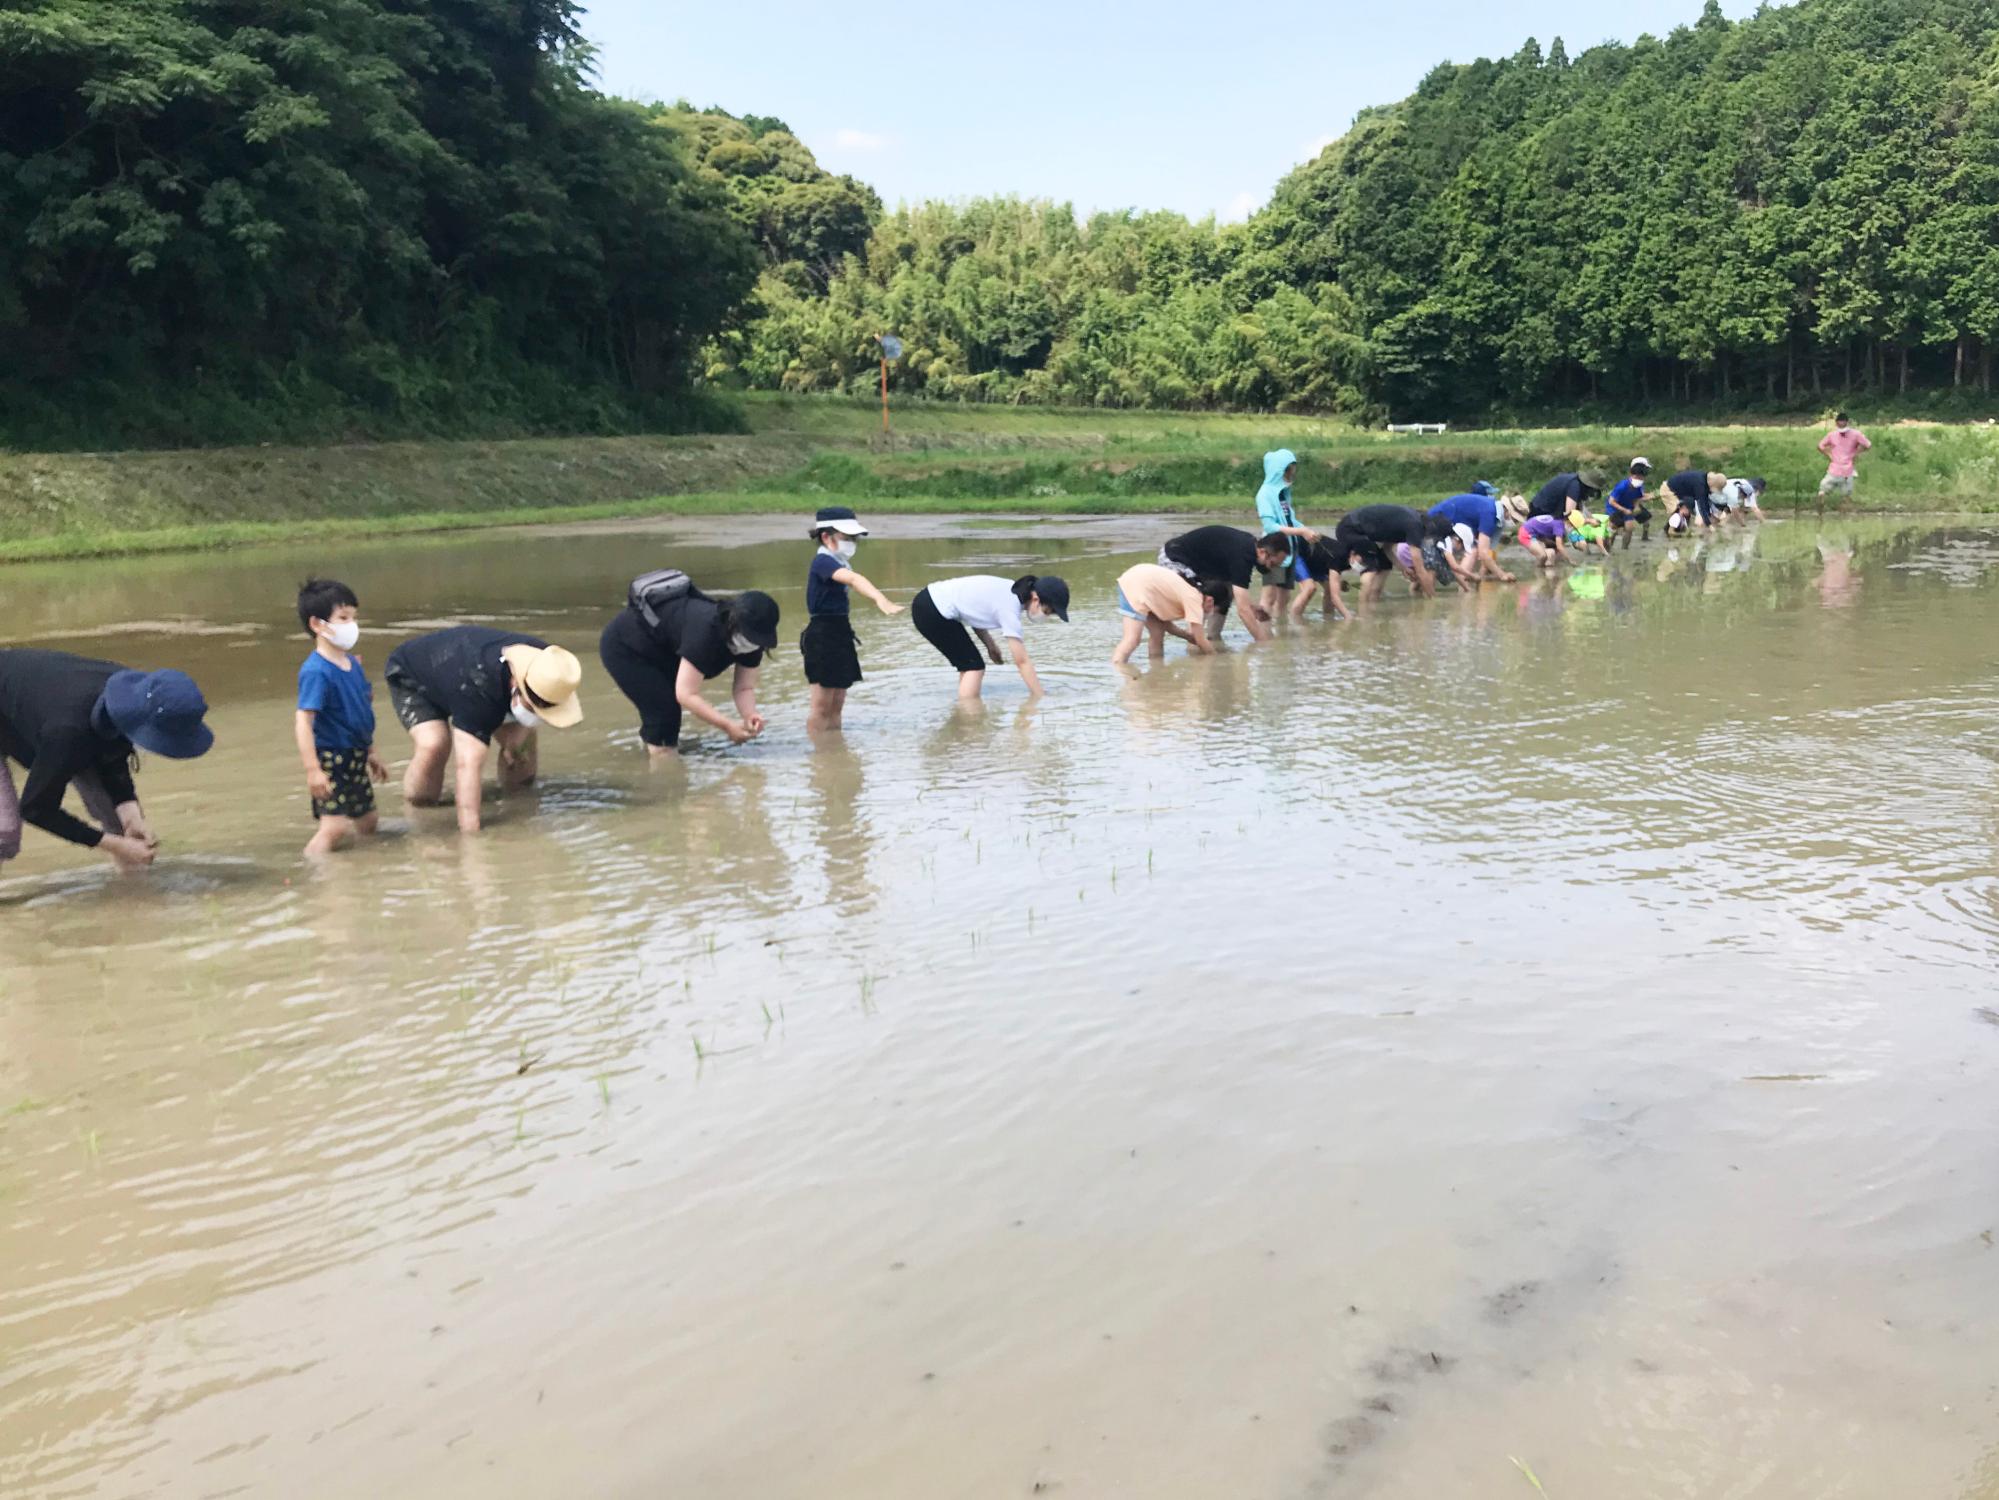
72, 720
661, 663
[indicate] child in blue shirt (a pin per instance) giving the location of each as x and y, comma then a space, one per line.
1626, 507
335, 723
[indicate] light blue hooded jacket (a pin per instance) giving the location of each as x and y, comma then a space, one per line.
1273, 501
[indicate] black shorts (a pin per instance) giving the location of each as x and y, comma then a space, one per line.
829, 649
408, 700
353, 793
1639, 514
948, 636
645, 674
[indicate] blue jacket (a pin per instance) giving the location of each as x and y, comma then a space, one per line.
1273, 501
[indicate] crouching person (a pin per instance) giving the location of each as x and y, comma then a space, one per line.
464, 690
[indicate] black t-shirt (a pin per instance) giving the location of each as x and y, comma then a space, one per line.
47, 700
1383, 525
1216, 552
1337, 554
693, 628
462, 672
1689, 485
1553, 498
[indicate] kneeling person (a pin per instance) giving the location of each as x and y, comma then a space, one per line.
461, 690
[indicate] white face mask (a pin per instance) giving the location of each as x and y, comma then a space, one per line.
846, 546
342, 634
525, 716
742, 645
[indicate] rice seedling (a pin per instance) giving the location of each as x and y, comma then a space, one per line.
1532, 1478
604, 1088
520, 1124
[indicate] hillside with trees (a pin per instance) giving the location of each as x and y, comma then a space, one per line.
233, 220
227, 220
1753, 213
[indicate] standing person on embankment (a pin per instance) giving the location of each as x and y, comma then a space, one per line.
1210, 553
71, 720
1842, 446
948, 612
463, 690
669, 639
1276, 516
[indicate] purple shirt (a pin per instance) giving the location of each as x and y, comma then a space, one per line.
1542, 528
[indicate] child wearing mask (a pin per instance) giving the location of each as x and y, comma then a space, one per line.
335, 722
829, 648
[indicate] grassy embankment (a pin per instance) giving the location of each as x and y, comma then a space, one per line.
807, 452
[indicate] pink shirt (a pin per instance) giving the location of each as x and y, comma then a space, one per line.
1842, 445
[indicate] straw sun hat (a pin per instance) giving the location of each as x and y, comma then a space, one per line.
550, 676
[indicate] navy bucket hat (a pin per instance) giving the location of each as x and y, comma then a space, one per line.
160, 712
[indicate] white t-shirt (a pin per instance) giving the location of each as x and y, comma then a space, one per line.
981, 602
1738, 493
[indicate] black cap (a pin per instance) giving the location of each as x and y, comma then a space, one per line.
1053, 594
755, 615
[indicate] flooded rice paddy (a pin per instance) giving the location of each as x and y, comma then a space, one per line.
1543, 1032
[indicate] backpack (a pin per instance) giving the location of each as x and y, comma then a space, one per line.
652, 592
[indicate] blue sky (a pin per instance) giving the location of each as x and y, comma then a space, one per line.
1172, 104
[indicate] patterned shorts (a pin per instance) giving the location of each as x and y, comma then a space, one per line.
353, 794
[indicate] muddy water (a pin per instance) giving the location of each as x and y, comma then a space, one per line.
1545, 1026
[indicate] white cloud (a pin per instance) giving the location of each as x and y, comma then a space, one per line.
1240, 207
849, 139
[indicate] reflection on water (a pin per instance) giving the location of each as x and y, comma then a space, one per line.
1544, 1023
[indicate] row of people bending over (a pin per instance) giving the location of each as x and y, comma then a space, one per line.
473, 695
470, 697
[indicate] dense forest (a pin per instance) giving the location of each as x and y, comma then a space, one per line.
232, 219
1752, 213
